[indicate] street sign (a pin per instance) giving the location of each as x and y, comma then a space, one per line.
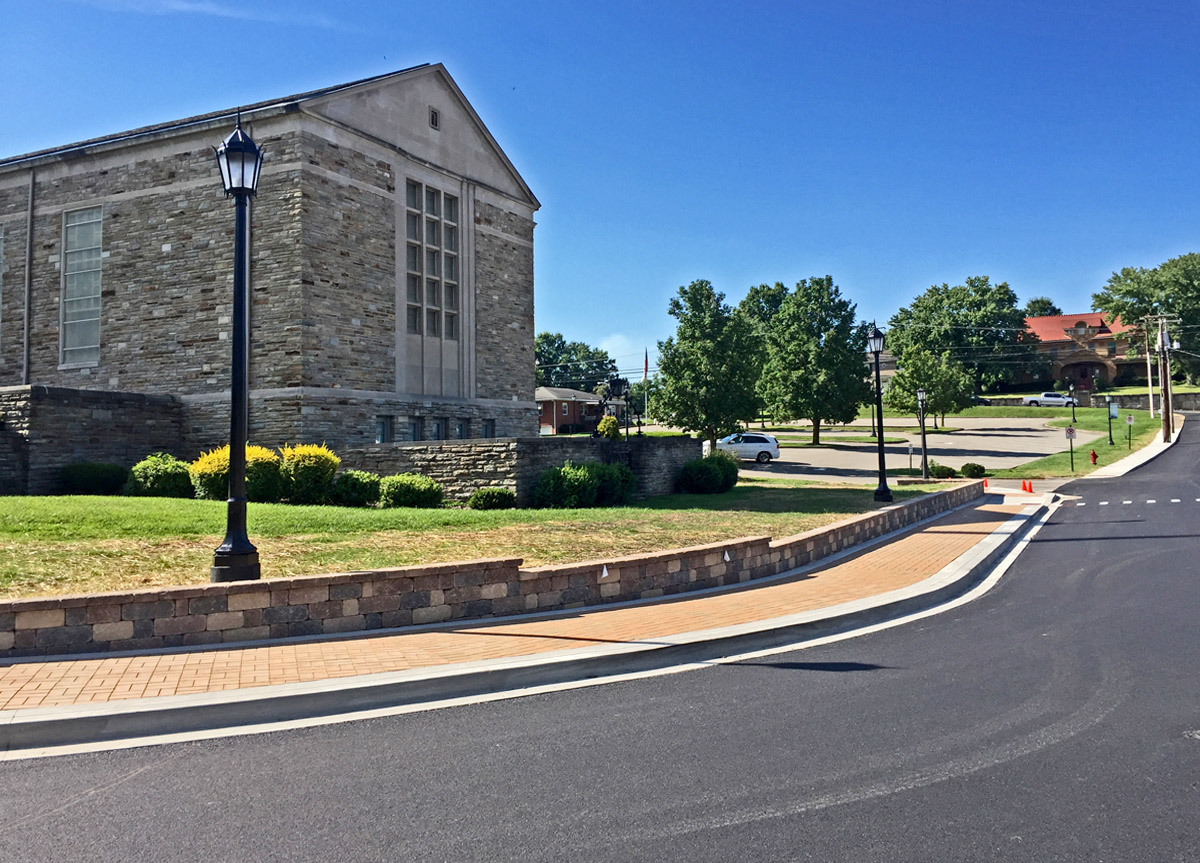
1070, 433
1129, 420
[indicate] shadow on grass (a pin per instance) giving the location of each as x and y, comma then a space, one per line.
759, 498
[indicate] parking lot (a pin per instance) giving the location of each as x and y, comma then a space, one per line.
994, 442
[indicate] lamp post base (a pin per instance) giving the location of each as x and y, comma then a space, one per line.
883, 494
235, 567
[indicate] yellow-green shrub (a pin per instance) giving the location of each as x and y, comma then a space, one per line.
308, 470
609, 428
210, 474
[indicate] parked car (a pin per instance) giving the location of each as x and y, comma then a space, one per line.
751, 445
980, 400
1050, 400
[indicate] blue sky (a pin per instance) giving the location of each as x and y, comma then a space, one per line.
891, 145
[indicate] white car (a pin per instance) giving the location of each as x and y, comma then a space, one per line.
1054, 400
751, 445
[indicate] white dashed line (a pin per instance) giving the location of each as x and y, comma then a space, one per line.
1174, 500
1126, 502
1151, 500
1081, 503
1104, 503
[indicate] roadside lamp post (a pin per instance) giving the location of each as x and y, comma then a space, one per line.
236, 559
921, 419
874, 346
1071, 389
1108, 405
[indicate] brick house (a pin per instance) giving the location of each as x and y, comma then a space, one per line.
1083, 348
391, 279
566, 411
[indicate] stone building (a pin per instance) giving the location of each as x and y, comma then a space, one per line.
391, 273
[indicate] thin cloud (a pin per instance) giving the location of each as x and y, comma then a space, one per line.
214, 10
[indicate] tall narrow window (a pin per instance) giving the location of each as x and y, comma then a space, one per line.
80, 338
431, 231
1, 275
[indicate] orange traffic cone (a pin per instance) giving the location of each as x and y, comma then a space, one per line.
1024, 485
1031, 486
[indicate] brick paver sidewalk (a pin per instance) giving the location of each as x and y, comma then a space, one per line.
903, 562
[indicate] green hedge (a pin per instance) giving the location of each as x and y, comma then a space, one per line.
492, 498
91, 477
356, 488
409, 489
160, 475
717, 472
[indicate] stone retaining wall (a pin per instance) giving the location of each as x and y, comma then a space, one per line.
379, 599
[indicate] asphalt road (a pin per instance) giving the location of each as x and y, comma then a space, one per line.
1057, 718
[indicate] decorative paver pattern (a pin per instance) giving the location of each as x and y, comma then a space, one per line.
900, 563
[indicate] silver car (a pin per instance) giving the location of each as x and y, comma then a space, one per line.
751, 445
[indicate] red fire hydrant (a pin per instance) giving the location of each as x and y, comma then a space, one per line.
1093, 456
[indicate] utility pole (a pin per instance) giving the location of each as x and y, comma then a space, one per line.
1163, 346
1149, 371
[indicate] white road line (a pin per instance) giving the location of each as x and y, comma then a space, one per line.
1126, 501
1151, 500
1174, 500
1081, 503
1104, 503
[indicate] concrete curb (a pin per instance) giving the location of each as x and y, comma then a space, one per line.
43, 728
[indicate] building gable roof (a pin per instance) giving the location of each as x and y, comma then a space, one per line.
321, 102
563, 394
1053, 328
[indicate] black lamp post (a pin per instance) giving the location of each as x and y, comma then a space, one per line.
1071, 390
236, 559
874, 346
921, 419
1108, 406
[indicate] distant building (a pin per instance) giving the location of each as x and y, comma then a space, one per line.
1085, 348
567, 411
391, 276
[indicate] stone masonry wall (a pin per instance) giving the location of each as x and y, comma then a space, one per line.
504, 296
363, 601
57, 427
166, 271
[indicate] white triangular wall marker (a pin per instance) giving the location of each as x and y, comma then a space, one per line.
604, 572
727, 555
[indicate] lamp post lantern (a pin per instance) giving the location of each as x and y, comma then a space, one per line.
921, 419
875, 346
240, 160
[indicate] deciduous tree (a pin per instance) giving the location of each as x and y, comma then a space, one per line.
947, 383
573, 365
707, 370
979, 323
816, 361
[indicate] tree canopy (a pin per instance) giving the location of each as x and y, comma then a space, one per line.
707, 370
816, 361
1041, 307
947, 383
979, 324
1171, 289
572, 365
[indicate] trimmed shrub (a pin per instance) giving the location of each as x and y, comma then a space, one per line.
713, 474
308, 471
409, 489
972, 470
356, 488
492, 498
568, 487
615, 483
608, 427
160, 475
210, 475
940, 471
93, 477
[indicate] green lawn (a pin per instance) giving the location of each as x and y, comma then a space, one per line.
55, 545
1144, 431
